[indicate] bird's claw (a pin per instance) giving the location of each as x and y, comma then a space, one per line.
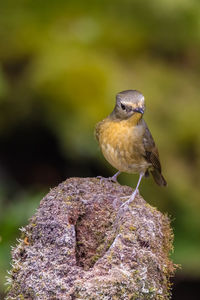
113, 178
132, 197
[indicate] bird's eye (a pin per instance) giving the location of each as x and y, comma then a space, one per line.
123, 106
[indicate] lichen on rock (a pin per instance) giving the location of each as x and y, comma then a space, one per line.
81, 245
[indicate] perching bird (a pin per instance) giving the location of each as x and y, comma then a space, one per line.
126, 142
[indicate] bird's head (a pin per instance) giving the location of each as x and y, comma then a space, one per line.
128, 103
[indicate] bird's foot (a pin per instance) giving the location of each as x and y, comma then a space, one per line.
132, 197
103, 179
106, 179
112, 178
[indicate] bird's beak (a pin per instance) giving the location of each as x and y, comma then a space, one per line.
139, 110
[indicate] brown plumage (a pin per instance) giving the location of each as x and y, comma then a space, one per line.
152, 156
126, 141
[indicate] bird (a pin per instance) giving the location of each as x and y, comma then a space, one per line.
126, 141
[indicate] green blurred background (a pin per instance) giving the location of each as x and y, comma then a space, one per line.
61, 65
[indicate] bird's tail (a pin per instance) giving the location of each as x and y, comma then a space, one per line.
158, 177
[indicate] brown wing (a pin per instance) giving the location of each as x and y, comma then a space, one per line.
152, 156
151, 152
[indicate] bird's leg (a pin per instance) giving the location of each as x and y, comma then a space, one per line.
113, 178
132, 197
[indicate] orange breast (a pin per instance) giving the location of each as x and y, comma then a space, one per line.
122, 146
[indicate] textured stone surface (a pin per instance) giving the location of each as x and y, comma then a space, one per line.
81, 245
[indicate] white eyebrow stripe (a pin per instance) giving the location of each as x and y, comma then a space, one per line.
128, 103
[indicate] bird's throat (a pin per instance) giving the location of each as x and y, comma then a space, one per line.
134, 119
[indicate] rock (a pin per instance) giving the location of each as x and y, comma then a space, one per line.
81, 245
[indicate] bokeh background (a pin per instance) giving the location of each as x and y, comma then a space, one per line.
61, 65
